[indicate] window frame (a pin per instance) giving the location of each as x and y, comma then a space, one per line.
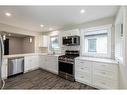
94, 54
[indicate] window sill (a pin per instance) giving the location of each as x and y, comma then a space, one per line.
103, 60
95, 55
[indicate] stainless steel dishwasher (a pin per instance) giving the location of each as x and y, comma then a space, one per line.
15, 66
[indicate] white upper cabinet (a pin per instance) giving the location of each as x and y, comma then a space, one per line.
71, 32
43, 41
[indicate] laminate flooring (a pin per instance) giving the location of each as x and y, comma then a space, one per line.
41, 79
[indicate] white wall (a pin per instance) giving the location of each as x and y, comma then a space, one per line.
121, 18
100, 22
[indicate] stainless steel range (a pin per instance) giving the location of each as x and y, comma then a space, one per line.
66, 64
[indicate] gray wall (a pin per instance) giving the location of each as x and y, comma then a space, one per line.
27, 46
19, 45
15, 45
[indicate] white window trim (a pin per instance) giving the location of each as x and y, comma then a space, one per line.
83, 31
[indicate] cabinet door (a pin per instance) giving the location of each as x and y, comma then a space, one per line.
40, 41
27, 62
34, 62
43, 41
52, 64
42, 62
4, 69
30, 63
83, 71
74, 32
71, 32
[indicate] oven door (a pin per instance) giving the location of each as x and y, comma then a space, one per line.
66, 67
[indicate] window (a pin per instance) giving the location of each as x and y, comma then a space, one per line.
96, 42
91, 45
54, 43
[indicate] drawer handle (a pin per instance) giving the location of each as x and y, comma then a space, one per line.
103, 73
81, 77
103, 83
103, 65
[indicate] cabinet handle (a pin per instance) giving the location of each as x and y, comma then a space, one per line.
82, 68
81, 77
103, 83
103, 65
103, 73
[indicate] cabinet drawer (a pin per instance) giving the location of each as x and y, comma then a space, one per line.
83, 77
82, 69
108, 74
82, 63
103, 82
104, 66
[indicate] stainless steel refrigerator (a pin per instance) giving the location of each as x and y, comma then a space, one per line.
1, 61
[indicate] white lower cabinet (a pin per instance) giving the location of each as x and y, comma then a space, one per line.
4, 69
31, 62
49, 63
97, 74
103, 82
83, 77
42, 61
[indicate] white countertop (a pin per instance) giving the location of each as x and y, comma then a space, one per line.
28, 54
104, 60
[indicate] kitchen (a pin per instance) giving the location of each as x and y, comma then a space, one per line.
85, 55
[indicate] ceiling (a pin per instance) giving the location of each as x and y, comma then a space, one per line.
56, 17
13, 34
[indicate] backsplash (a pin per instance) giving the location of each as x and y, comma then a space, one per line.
64, 48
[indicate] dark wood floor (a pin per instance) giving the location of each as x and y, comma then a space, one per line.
40, 79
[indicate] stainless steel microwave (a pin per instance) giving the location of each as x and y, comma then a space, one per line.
71, 40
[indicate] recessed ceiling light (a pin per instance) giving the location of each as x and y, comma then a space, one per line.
8, 14
41, 25
82, 11
50, 29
